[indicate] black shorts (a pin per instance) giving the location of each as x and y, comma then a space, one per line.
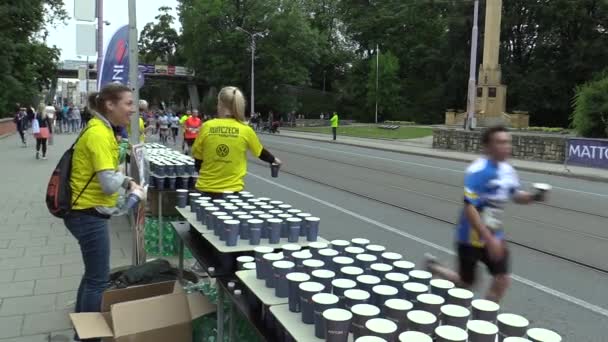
190, 142
468, 256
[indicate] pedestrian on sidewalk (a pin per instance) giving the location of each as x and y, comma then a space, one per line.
44, 130
75, 119
335, 120
192, 127
489, 184
95, 182
20, 121
220, 151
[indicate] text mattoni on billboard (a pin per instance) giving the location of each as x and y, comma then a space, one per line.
587, 152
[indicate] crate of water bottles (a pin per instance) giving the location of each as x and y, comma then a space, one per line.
244, 219
169, 169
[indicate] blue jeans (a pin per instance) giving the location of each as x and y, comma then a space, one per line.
93, 237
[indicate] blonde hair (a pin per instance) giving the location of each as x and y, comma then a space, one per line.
232, 99
42, 111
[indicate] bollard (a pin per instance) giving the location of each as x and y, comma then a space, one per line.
448, 333
294, 279
396, 310
414, 336
422, 277
542, 335
511, 325
481, 331
361, 314
422, 321
484, 310
440, 287
322, 302
413, 290
430, 303
458, 296
455, 315
381, 327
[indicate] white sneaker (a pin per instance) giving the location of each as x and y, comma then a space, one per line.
429, 261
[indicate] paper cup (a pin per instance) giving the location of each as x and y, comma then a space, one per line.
414, 336
340, 261
265, 225
404, 266
244, 226
339, 286
294, 211
275, 212
367, 282
515, 339
375, 250
353, 251
231, 228
312, 230
361, 314
255, 231
422, 277
276, 203
370, 339
430, 303
481, 331
351, 272
298, 259
423, 321
510, 325
354, 296
208, 221
455, 315
285, 206
304, 226
448, 333
289, 249
315, 247
294, 279
542, 335
307, 290
337, 323
269, 259
380, 269
280, 270
397, 280
396, 310
193, 197
326, 255
250, 266
324, 277
312, 264
258, 254
440, 287
360, 242
274, 226
381, 327
390, 257
339, 245
242, 260
485, 310
365, 261
322, 302
221, 222
294, 225
458, 296
382, 293
217, 223
413, 290
182, 198
201, 214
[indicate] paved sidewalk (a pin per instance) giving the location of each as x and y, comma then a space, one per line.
40, 262
423, 147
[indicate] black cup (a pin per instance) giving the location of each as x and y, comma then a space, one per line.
322, 302
312, 264
315, 247
485, 310
455, 315
192, 197
274, 226
337, 324
209, 217
367, 282
382, 293
448, 333
312, 231
351, 272
255, 231
339, 245
359, 242
299, 257
326, 255
458, 296
304, 226
376, 250
414, 336
269, 259
223, 229
380, 270
390, 257
294, 279
512, 325
294, 225
396, 310
242, 260
244, 226
361, 314
274, 170
397, 280
381, 327
258, 254
341, 261
289, 249
182, 198
422, 321
324, 277
365, 261
413, 290
353, 251
172, 182
422, 277
280, 270
339, 286
354, 296
231, 229
441, 287
307, 290
403, 266
216, 223
430, 303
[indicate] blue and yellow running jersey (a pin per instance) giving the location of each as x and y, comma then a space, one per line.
488, 186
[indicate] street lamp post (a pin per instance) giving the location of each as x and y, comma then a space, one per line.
472, 68
377, 78
253, 36
99, 36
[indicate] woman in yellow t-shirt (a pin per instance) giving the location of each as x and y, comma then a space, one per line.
220, 150
95, 182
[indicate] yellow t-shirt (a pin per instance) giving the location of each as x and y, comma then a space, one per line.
222, 146
142, 131
96, 150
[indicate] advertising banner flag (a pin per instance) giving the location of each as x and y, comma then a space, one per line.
587, 152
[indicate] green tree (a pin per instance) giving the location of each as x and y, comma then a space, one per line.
590, 116
159, 41
389, 90
27, 65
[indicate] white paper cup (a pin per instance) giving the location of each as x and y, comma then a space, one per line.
381, 327
511, 325
370, 339
455, 315
413, 290
322, 302
422, 277
422, 321
448, 333
382, 293
440, 287
430, 302
367, 282
485, 310
337, 324
390, 257
396, 310
460, 297
481, 331
414, 336
356, 296
543, 335
361, 314
360, 242
404, 266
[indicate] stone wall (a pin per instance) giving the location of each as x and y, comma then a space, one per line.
320, 123
7, 126
529, 146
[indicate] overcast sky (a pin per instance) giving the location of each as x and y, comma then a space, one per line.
116, 12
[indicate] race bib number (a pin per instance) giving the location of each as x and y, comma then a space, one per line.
492, 218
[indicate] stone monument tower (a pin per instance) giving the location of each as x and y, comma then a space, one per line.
491, 98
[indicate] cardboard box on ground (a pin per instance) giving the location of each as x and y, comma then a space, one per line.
152, 313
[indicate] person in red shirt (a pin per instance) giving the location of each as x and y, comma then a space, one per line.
191, 128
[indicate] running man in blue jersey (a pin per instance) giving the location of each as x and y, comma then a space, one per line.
489, 184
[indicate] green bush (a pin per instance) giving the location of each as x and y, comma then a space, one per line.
590, 116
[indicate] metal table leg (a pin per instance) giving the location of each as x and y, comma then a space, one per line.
231, 323
220, 311
160, 223
180, 274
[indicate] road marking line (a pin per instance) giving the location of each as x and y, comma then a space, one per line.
573, 300
423, 165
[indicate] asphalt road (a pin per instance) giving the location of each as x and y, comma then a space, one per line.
409, 204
